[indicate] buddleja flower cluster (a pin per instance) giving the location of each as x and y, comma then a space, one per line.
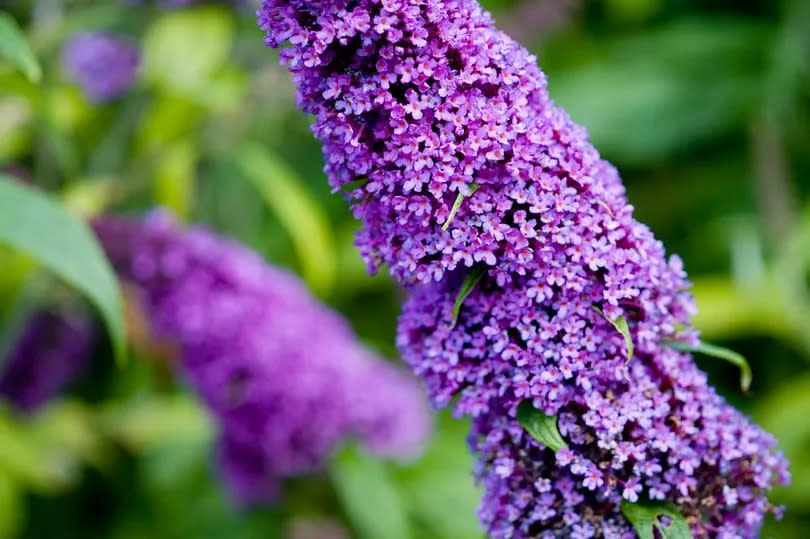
52, 350
284, 376
440, 130
103, 64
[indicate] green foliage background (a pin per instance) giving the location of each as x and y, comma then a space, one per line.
702, 104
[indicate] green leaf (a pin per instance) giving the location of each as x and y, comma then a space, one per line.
11, 507
457, 204
174, 177
178, 59
369, 497
540, 426
287, 197
621, 326
14, 47
712, 350
645, 518
34, 224
469, 284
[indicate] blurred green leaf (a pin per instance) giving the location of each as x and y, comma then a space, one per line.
145, 423
369, 497
34, 224
184, 48
22, 459
472, 279
439, 489
540, 426
646, 519
11, 507
303, 219
784, 414
174, 178
696, 79
15, 48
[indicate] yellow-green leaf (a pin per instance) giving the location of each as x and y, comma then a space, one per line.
457, 204
287, 197
622, 327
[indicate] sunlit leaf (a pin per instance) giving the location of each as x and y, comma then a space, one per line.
14, 47
540, 426
34, 224
11, 506
457, 204
303, 219
174, 178
621, 326
24, 461
369, 497
183, 49
646, 519
469, 284
718, 352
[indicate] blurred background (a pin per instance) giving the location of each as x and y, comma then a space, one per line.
702, 104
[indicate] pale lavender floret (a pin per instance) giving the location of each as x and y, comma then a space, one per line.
284, 376
103, 64
420, 101
51, 352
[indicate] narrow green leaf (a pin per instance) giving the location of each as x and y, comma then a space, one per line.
469, 284
34, 224
540, 426
646, 519
15, 48
174, 177
369, 496
712, 350
457, 204
286, 195
622, 327
11, 507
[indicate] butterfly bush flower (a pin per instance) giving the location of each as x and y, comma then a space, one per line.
440, 131
104, 65
52, 351
283, 375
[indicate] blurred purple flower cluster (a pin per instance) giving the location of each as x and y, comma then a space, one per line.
284, 376
104, 65
51, 352
441, 131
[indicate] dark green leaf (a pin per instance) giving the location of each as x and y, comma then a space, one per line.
540, 426
469, 284
14, 47
32, 223
457, 204
645, 518
621, 326
369, 497
718, 352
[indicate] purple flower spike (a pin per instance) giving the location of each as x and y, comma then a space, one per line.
530, 280
284, 376
52, 352
104, 65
